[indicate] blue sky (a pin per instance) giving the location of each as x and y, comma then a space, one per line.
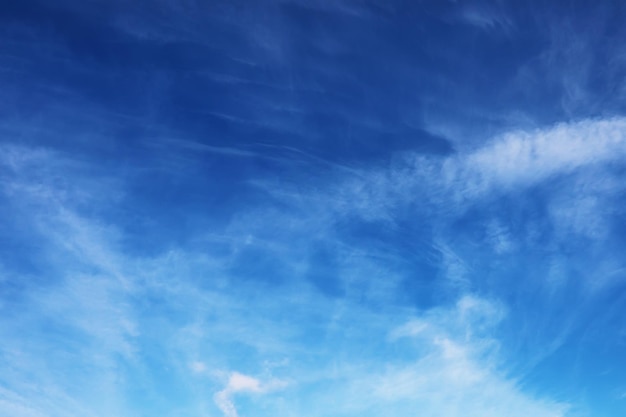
312, 208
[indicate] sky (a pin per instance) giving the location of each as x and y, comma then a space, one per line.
307, 208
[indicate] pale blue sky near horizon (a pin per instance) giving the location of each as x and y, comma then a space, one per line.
312, 208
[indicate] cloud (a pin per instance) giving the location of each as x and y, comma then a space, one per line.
455, 370
79, 310
187, 310
240, 383
444, 187
525, 158
198, 367
485, 18
388, 280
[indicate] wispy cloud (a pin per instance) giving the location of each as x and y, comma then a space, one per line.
304, 207
240, 383
485, 18
509, 163
446, 364
366, 359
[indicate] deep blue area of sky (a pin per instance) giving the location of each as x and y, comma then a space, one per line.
201, 106
270, 75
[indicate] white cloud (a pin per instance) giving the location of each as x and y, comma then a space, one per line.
519, 158
524, 158
580, 156
243, 383
240, 383
455, 373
